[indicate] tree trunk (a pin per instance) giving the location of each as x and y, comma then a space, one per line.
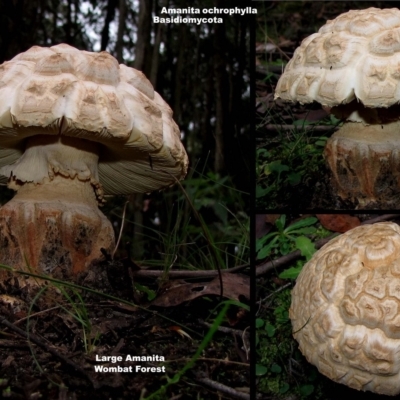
222, 96
105, 33
121, 29
142, 43
156, 50
143, 34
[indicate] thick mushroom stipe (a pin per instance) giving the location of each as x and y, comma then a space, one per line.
54, 228
352, 64
345, 309
366, 167
73, 126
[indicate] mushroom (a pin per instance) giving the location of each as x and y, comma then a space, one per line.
345, 309
352, 66
75, 125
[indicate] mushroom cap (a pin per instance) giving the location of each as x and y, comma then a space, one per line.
354, 56
345, 309
64, 91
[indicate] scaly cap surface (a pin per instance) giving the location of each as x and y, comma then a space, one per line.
354, 56
64, 91
345, 309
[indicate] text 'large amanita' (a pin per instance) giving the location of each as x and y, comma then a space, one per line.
75, 125
352, 65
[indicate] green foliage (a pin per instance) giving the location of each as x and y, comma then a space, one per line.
261, 370
306, 246
293, 161
292, 272
273, 345
207, 191
277, 354
286, 239
204, 225
151, 294
270, 329
306, 390
221, 206
281, 369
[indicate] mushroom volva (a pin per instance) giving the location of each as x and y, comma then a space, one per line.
75, 125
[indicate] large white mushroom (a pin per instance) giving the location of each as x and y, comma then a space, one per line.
75, 125
352, 65
345, 309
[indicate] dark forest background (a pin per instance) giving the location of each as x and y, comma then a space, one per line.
202, 71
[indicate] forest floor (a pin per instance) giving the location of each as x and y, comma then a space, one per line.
52, 342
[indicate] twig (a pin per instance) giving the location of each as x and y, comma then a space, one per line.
233, 394
381, 218
294, 255
36, 314
224, 329
187, 274
279, 49
276, 291
317, 128
264, 70
267, 266
12, 344
209, 359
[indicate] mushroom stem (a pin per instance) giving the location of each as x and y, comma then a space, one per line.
53, 224
365, 162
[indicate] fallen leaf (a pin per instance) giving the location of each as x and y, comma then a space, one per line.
262, 226
271, 218
178, 291
338, 222
7, 362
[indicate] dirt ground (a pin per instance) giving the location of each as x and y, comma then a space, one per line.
50, 344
